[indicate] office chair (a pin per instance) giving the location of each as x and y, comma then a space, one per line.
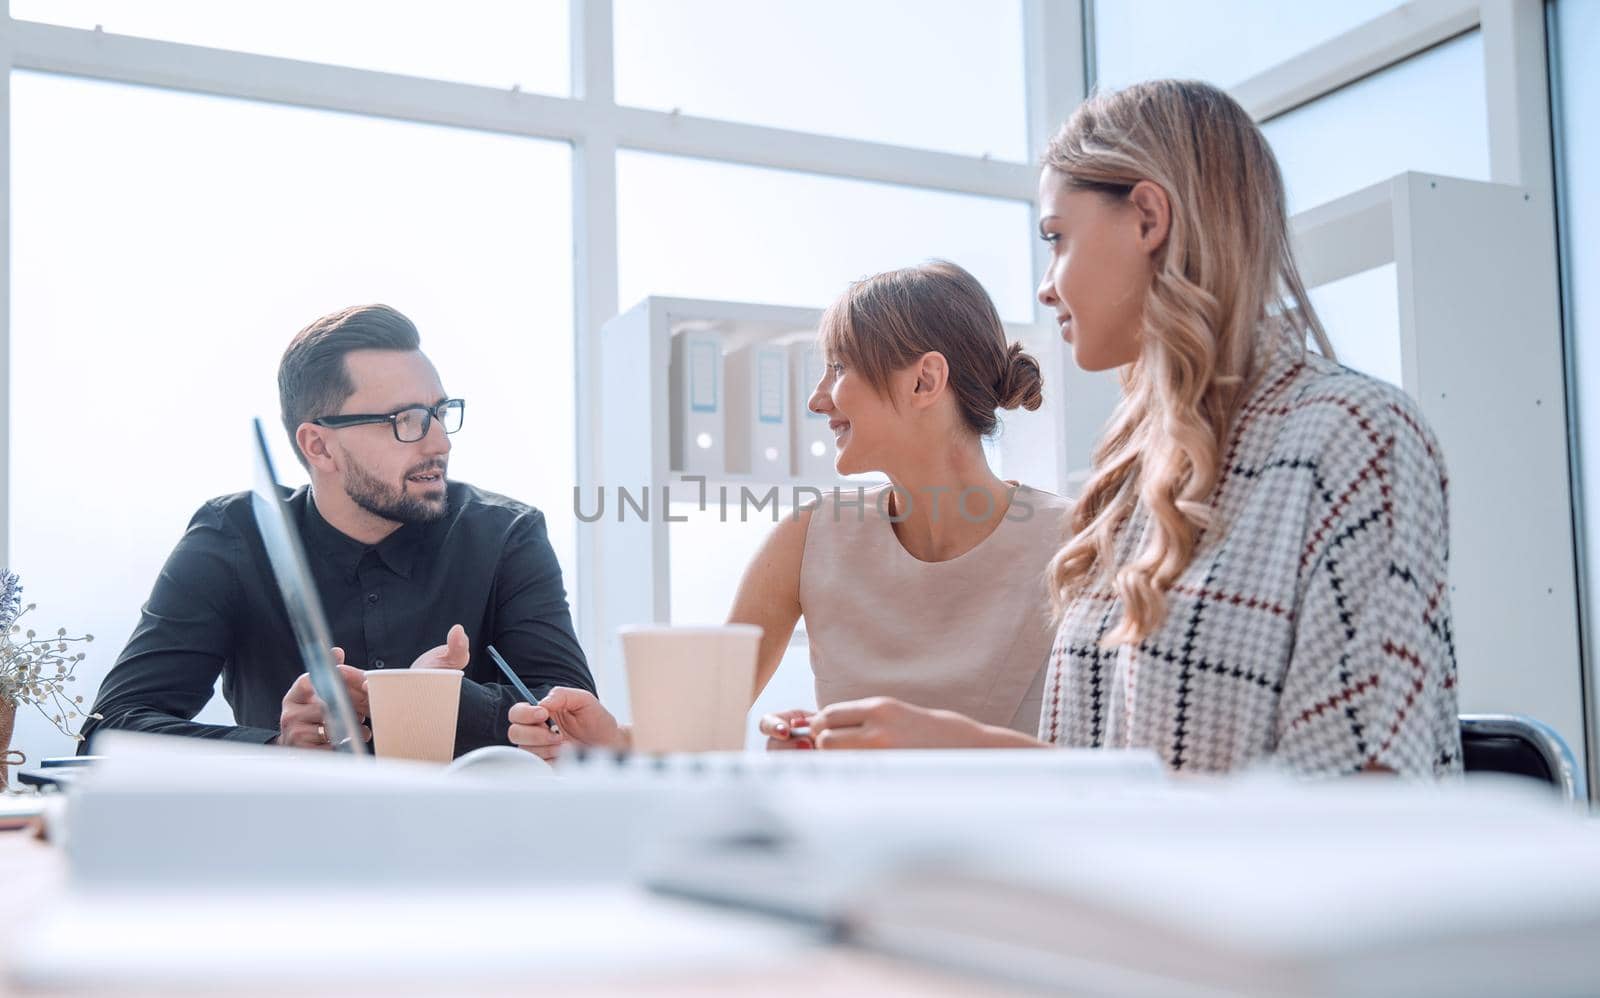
1510, 743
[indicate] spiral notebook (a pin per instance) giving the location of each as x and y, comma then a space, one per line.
827, 822
1080, 767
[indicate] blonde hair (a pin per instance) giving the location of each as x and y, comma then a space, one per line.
1225, 285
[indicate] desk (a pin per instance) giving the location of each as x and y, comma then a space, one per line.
34, 873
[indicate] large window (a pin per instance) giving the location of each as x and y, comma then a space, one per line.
168, 236
710, 555
935, 74
495, 43
1577, 80
698, 229
1361, 315
165, 247
1224, 41
1425, 114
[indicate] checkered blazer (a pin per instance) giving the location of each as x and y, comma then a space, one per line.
1312, 627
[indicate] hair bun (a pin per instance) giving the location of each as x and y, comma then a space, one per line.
1021, 386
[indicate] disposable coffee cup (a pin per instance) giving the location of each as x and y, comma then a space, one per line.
690, 688
414, 713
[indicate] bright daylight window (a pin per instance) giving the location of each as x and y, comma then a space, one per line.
932, 74
1223, 41
495, 43
165, 247
698, 229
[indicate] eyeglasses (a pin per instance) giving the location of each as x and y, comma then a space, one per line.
409, 424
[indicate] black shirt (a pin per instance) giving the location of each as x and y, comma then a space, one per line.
215, 609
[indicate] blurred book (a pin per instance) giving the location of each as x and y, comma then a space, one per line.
1266, 890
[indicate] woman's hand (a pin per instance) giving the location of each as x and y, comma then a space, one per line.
884, 722
779, 729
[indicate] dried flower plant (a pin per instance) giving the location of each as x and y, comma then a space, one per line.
36, 671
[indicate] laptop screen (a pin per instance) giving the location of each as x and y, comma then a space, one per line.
300, 598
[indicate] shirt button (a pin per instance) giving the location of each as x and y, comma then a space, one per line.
377, 663
372, 599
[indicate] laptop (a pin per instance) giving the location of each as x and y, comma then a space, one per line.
300, 598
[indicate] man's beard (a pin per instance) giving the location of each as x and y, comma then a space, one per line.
382, 499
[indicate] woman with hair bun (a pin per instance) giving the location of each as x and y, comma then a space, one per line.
930, 589
1257, 566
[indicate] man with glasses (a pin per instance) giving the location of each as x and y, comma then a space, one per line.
401, 556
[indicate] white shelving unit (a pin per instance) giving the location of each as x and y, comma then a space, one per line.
628, 563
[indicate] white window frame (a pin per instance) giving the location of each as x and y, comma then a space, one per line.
590, 119
1513, 62
1518, 122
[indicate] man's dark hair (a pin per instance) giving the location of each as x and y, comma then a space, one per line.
313, 380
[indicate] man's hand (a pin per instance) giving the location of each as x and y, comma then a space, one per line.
779, 729
884, 722
581, 718
303, 722
453, 654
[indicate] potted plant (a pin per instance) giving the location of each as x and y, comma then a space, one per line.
34, 671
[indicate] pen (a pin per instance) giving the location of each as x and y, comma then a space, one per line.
516, 681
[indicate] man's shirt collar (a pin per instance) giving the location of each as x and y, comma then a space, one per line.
398, 551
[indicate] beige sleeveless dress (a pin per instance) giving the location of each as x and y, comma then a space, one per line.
971, 634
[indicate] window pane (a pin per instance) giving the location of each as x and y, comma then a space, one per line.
709, 556
934, 74
1361, 314
792, 687
713, 230
167, 246
710, 553
1425, 114
1222, 41
495, 43
1577, 83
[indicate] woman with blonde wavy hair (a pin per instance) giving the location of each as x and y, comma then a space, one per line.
1257, 565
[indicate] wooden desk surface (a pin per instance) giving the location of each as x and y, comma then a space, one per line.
33, 874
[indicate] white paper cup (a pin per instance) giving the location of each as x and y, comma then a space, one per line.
414, 712
690, 687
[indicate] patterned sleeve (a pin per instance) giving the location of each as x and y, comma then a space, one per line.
1372, 674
